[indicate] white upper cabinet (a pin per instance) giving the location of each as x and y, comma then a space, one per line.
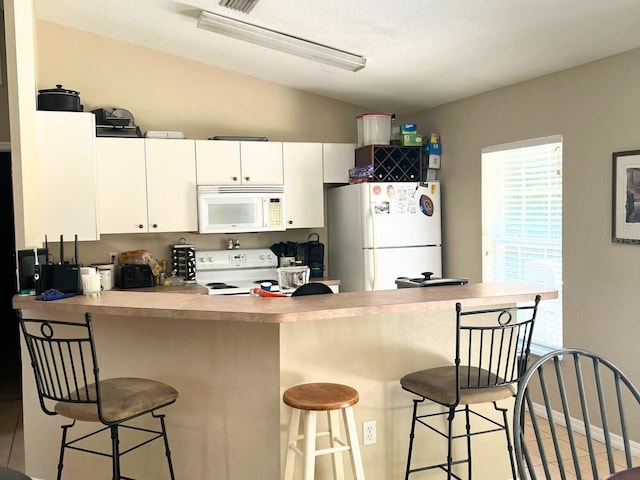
122, 185
227, 162
171, 185
303, 187
261, 163
338, 158
66, 164
218, 162
146, 185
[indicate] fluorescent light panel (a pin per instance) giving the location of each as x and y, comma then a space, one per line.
280, 41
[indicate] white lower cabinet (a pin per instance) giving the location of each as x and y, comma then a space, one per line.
337, 159
303, 185
67, 168
146, 185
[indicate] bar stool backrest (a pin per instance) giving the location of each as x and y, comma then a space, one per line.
493, 345
63, 358
312, 288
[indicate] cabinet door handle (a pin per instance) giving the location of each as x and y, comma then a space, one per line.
140, 226
290, 222
247, 178
155, 225
235, 179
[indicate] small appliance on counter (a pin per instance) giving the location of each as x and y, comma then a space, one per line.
312, 254
290, 278
428, 281
115, 122
135, 271
183, 261
136, 276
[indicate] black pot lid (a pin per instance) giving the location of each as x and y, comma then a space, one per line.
59, 90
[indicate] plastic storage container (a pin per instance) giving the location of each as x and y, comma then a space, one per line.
290, 278
374, 129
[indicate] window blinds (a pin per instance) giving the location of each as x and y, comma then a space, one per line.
522, 225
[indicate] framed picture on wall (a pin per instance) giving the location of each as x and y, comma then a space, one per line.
626, 197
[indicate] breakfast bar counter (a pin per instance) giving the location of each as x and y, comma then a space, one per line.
280, 310
231, 358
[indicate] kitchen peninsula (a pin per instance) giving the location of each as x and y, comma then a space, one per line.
232, 357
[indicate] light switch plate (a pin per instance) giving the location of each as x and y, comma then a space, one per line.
434, 161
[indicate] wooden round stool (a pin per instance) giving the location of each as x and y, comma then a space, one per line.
312, 398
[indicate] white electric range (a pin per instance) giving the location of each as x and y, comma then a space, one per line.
236, 272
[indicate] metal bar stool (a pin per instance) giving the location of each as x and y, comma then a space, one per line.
491, 353
312, 398
65, 364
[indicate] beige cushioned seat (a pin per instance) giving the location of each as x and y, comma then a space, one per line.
121, 398
439, 384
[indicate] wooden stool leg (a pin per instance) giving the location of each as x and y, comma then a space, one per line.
310, 421
352, 433
334, 432
292, 440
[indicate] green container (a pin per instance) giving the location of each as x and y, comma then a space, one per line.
411, 140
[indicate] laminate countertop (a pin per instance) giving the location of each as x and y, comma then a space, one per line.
289, 309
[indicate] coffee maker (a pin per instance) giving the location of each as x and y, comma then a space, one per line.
312, 254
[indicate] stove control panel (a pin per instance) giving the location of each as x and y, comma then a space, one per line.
235, 259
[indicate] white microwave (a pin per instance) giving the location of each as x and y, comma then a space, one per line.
240, 208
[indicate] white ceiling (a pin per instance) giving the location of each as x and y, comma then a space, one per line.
419, 54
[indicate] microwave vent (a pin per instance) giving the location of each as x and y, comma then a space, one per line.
244, 6
240, 189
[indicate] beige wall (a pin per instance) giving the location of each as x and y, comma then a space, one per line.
595, 108
164, 92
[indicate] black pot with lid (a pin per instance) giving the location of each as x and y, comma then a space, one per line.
59, 99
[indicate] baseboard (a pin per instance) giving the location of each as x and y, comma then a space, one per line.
596, 432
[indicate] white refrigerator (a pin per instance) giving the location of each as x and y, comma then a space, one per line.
381, 231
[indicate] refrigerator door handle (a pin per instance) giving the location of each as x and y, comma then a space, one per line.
372, 208
374, 285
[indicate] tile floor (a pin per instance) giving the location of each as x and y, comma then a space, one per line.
11, 435
582, 454
12, 442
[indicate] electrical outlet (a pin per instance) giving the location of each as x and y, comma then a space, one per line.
113, 257
369, 432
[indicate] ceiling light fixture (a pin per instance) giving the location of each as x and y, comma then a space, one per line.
244, 6
280, 41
